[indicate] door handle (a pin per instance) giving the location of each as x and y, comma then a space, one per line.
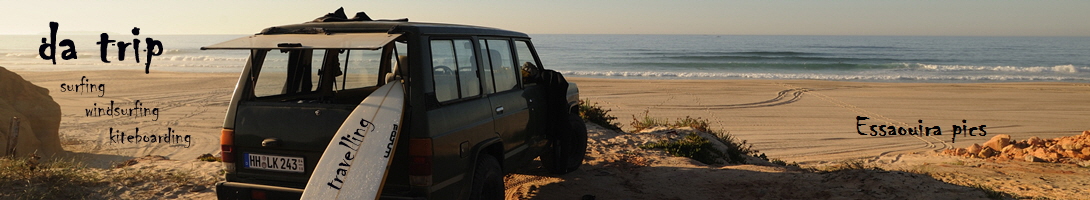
499, 110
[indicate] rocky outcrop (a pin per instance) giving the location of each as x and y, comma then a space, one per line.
39, 117
1068, 149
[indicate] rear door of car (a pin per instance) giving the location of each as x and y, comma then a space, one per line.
459, 116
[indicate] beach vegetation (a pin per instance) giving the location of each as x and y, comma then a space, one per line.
646, 121
695, 123
26, 178
209, 158
923, 169
593, 113
736, 151
29, 178
958, 163
692, 146
847, 165
992, 193
783, 163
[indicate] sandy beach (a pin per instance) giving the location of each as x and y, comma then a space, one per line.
806, 121
811, 121
189, 104
803, 121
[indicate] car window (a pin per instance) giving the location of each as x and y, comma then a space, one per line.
504, 73
470, 84
286, 72
453, 70
486, 69
525, 59
360, 68
316, 59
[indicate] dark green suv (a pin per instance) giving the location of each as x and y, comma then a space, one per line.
478, 105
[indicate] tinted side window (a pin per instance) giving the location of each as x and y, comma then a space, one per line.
453, 69
525, 59
486, 68
504, 73
469, 83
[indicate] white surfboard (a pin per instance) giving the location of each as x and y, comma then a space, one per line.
355, 162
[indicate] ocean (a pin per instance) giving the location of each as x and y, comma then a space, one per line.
847, 58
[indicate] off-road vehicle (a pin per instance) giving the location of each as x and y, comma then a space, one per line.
478, 105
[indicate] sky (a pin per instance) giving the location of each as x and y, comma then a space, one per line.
706, 17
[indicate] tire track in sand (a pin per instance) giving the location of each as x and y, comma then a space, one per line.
937, 144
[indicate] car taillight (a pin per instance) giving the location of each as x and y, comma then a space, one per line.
420, 162
227, 149
258, 195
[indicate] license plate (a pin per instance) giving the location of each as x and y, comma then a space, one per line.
271, 162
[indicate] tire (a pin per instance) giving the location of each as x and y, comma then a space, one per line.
487, 179
566, 151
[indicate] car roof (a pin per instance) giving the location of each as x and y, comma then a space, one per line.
391, 26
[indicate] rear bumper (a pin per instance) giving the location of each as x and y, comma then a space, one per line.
245, 191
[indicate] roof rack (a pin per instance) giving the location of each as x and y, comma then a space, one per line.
339, 16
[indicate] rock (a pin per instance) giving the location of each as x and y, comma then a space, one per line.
1070, 154
1066, 143
1040, 153
987, 152
1086, 152
1051, 157
1086, 133
973, 149
1031, 158
39, 117
1035, 141
1013, 151
948, 152
998, 142
1055, 148
960, 151
1085, 163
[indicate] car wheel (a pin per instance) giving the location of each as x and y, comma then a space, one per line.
566, 151
487, 179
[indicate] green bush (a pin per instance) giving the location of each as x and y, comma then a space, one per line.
736, 151
645, 122
595, 114
695, 123
692, 146
22, 178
